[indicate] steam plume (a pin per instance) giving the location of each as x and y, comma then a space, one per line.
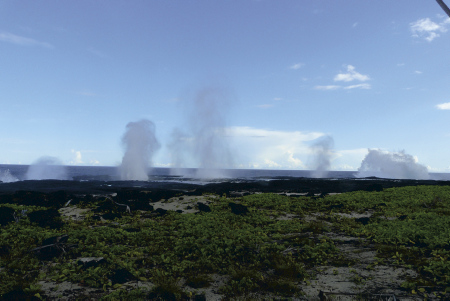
205, 143
322, 151
140, 144
46, 168
391, 165
7, 177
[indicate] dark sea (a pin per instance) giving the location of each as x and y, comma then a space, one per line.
14, 173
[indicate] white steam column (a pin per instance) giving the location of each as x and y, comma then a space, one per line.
140, 144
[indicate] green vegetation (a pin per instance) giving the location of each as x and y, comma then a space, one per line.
409, 227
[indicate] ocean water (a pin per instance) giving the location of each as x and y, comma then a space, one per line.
12, 173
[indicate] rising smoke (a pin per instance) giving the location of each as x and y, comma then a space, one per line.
46, 168
140, 144
322, 152
392, 165
205, 143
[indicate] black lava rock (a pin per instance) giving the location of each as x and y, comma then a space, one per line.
55, 239
18, 295
132, 195
30, 198
238, 208
4, 250
52, 247
200, 298
363, 220
111, 216
338, 206
132, 230
6, 199
203, 207
47, 252
161, 211
402, 217
6, 215
139, 205
46, 218
106, 206
121, 276
57, 199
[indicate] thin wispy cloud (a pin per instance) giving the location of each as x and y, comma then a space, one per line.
97, 52
296, 66
172, 100
336, 87
22, 41
359, 86
330, 87
265, 106
86, 93
427, 29
418, 72
443, 106
351, 75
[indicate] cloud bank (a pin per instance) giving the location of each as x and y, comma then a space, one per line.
271, 149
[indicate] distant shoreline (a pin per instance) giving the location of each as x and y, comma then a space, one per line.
278, 185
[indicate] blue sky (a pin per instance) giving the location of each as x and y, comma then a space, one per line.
370, 74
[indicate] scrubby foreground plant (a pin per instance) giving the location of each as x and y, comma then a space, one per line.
258, 252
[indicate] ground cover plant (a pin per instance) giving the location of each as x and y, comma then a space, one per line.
261, 243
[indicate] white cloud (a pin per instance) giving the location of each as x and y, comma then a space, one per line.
427, 29
351, 75
330, 87
444, 106
77, 160
418, 72
296, 66
23, 41
261, 148
278, 98
345, 167
348, 159
355, 24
